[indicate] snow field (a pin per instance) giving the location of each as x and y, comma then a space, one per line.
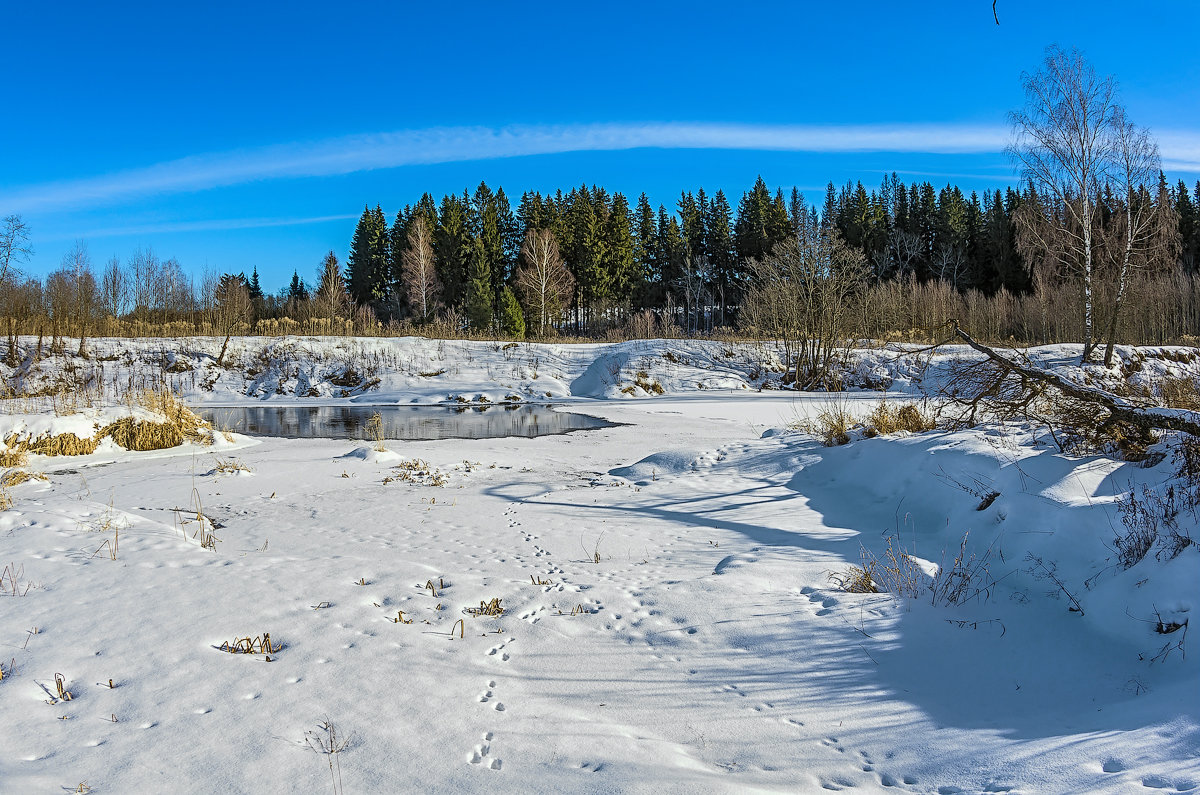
706, 651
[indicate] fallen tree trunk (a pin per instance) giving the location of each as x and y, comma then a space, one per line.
1119, 409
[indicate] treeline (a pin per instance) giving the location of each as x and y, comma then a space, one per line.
587, 263
691, 264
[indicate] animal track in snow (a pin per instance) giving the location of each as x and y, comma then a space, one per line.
480, 754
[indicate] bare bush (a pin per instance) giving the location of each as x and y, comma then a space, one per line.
804, 295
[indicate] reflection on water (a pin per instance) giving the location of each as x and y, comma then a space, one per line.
412, 423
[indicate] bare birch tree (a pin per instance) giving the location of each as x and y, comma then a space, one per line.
1144, 229
81, 291
14, 246
114, 289
417, 270
545, 284
1064, 145
14, 249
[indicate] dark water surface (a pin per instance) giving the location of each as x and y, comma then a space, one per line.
406, 423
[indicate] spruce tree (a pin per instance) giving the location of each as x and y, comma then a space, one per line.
491, 236
358, 263
620, 258
752, 230
255, 290
297, 290
692, 224
1189, 220
478, 298
645, 247
452, 250
512, 319
718, 227
379, 273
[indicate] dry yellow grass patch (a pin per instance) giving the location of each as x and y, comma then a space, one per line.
886, 418
1180, 393
13, 458
15, 477
179, 424
143, 435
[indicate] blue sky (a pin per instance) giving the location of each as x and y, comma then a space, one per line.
232, 137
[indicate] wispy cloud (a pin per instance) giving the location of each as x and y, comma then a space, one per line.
211, 225
1180, 151
350, 154
345, 155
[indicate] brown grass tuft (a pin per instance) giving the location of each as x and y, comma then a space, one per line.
886, 418
15, 477
13, 458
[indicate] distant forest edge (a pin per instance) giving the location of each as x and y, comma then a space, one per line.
632, 271
1095, 246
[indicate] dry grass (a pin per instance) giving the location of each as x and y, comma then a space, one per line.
143, 435
179, 424
833, 424
6, 500
13, 581
491, 608
897, 573
887, 418
13, 458
1180, 393
259, 644
193, 517
15, 477
62, 444
229, 466
855, 579
419, 472
374, 431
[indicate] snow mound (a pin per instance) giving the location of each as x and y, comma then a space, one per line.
372, 456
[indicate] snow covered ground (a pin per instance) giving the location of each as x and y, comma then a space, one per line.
706, 650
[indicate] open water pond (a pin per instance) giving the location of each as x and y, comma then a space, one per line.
404, 423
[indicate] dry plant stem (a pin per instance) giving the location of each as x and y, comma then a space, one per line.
331, 744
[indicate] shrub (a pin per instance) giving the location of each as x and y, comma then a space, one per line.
1153, 520
900, 574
